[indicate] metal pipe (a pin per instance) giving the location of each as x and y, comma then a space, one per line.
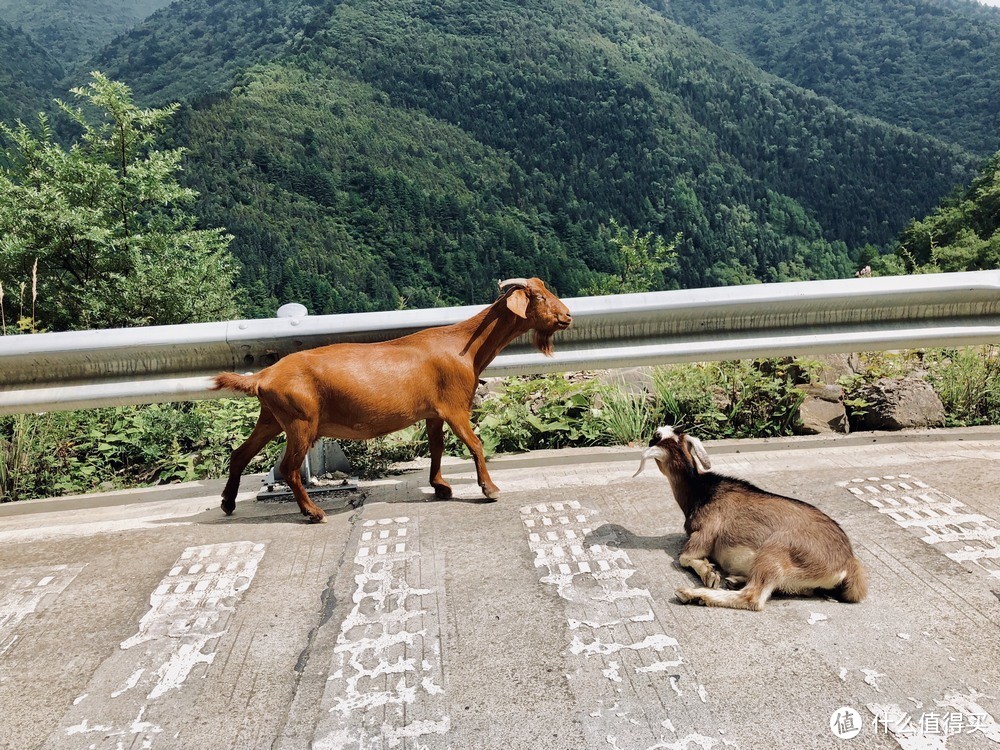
80, 369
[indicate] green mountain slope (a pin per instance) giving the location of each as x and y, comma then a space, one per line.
343, 202
28, 76
449, 143
71, 31
963, 233
929, 65
200, 46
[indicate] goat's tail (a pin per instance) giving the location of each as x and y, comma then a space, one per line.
236, 382
855, 585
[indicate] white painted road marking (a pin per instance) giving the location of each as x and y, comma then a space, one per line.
387, 680
650, 695
24, 591
968, 538
965, 716
189, 612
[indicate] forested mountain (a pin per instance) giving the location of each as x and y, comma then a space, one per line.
71, 31
370, 154
929, 65
200, 46
28, 76
963, 233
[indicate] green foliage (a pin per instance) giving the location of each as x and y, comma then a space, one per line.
69, 452
932, 66
28, 75
626, 416
102, 221
639, 263
968, 382
49, 454
417, 151
71, 30
963, 233
737, 398
535, 412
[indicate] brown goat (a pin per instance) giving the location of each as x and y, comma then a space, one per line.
361, 391
763, 541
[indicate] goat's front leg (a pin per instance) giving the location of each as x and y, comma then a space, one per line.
695, 556
435, 441
462, 427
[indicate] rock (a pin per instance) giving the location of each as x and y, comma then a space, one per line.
836, 366
635, 380
901, 404
822, 411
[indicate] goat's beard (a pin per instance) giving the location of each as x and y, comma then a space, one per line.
543, 342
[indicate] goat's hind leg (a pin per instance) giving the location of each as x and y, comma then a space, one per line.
266, 430
301, 435
769, 568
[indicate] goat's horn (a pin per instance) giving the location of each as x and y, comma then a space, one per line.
654, 452
513, 282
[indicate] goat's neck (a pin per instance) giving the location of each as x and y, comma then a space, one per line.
686, 492
488, 333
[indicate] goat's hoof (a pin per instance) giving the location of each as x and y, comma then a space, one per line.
492, 493
317, 517
735, 582
228, 506
687, 596
713, 580
442, 492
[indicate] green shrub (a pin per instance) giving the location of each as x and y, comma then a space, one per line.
67, 452
626, 416
968, 382
735, 398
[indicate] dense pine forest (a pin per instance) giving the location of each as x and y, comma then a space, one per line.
29, 76
371, 155
927, 66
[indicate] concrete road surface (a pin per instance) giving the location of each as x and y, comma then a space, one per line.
546, 620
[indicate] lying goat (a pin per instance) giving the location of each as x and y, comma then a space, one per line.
361, 391
767, 542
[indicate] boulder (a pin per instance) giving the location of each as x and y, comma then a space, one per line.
898, 404
836, 366
822, 411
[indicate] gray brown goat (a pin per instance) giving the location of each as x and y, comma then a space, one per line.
765, 542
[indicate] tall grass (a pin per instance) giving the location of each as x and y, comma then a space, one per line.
626, 416
968, 382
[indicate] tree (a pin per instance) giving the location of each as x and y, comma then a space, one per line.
640, 261
962, 234
104, 223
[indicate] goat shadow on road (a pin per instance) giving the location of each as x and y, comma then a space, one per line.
256, 512
615, 535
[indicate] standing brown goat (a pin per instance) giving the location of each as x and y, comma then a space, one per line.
361, 391
767, 542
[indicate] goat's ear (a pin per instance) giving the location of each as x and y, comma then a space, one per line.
699, 453
517, 303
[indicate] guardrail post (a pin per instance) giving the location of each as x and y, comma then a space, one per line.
325, 457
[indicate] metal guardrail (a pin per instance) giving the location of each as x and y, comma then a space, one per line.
60, 371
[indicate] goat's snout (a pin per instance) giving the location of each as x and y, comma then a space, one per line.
564, 320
